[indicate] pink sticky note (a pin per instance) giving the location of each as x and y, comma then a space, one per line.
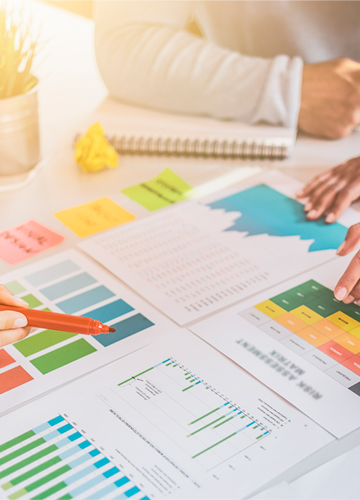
24, 241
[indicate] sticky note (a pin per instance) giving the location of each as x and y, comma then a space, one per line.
24, 241
95, 216
165, 189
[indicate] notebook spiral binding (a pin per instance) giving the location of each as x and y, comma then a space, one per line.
197, 147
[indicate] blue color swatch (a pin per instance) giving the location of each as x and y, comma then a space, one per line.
124, 329
84, 300
52, 273
266, 211
110, 311
64, 287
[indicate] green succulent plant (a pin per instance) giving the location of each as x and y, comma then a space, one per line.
18, 47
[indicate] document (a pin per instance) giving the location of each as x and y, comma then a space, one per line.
301, 342
175, 419
72, 284
195, 258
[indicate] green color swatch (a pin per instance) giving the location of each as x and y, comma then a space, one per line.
165, 189
63, 356
41, 341
32, 301
15, 287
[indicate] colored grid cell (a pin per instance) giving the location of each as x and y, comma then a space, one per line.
13, 378
84, 300
67, 286
355, 332
63, 356
349, 342
313, 286
322, 307
40, 341
343, 321
306, 315
353, 364
5, 358
328, 328
291, 322
32, 300
125, 329
270, 309
52, 273
15, 287
110, 311
312, 336
336, 351
287, 300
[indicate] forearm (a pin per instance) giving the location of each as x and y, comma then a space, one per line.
167, 68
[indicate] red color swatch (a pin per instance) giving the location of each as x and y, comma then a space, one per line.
13, 378
5, 358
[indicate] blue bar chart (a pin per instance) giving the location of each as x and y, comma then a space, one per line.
53, 460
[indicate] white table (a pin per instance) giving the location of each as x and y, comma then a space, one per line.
71, 89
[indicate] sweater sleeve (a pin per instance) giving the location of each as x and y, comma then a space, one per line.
146, 57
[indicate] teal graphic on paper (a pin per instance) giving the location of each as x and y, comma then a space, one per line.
266, 211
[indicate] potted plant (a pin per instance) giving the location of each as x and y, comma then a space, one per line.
19, 123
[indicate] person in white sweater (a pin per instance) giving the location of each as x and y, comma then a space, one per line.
290, 63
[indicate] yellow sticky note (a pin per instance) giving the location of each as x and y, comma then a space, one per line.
95, 216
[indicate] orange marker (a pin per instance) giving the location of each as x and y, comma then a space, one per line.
61, 322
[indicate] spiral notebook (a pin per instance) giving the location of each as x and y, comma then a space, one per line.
135, 130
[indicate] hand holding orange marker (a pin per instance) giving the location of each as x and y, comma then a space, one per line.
61, 322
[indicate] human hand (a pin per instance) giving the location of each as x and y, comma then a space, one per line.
330, 98
348, 287
12, 324
333, 191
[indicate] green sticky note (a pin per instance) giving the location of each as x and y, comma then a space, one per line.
165, 189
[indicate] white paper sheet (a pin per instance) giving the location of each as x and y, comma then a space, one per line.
200, 256
174, 418
71, 283
312, 362
335, 480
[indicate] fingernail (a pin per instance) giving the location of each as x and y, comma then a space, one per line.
341, 293
299, 193
340, 248
308, 206
330, 218
349, 299
312, 213
20, 322
23, 302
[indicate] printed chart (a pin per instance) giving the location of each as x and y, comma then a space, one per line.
195, 258
301, 342
56, 453
219, 429
177, 420
70, 283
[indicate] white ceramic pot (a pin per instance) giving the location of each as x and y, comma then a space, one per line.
19, 133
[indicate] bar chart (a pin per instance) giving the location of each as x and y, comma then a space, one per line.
169, 393
70, 283
54, 460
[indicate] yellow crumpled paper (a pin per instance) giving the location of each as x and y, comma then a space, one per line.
92, 151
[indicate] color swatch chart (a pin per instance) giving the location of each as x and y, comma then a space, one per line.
194, 416
54, 460
312, 323
71, 284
